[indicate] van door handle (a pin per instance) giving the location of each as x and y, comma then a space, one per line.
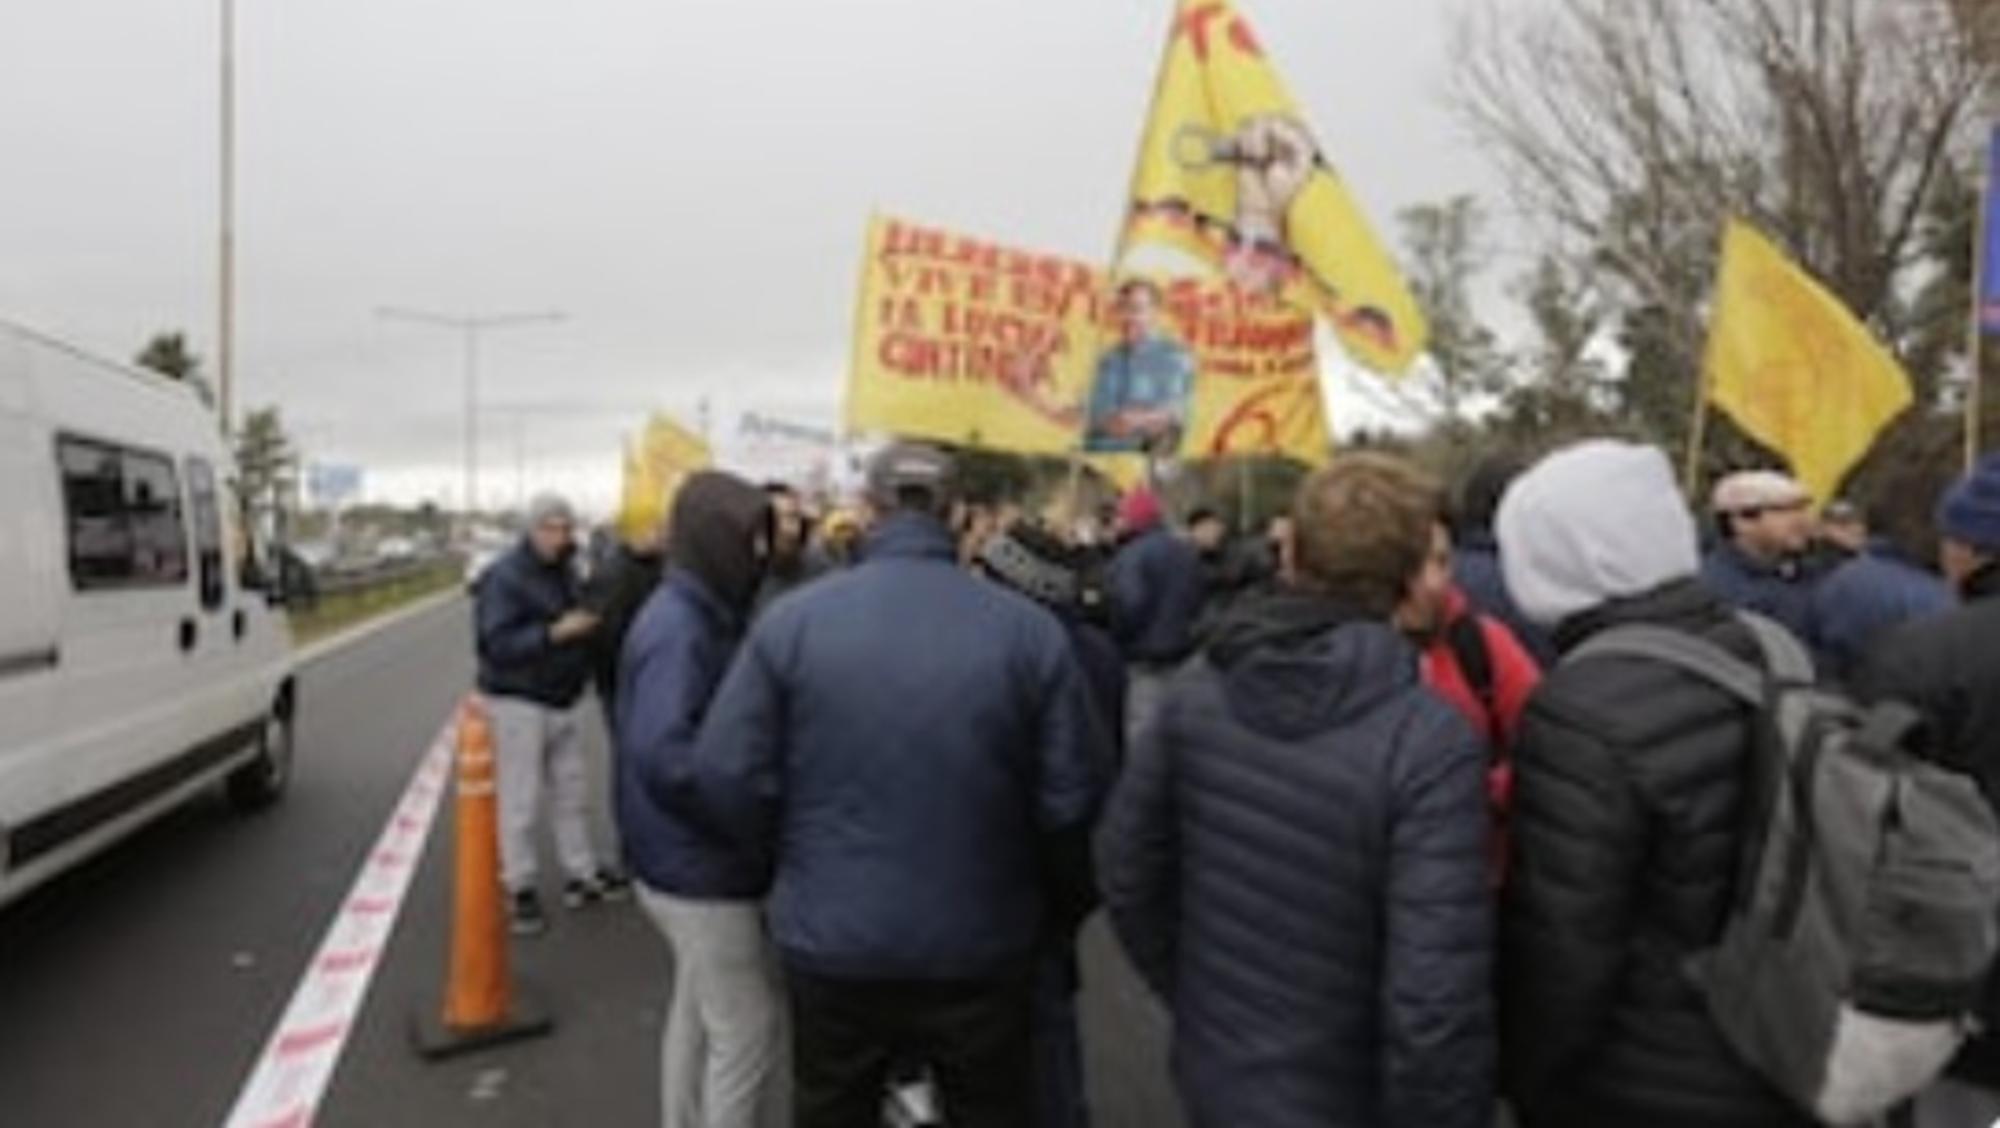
239, 623
189, 634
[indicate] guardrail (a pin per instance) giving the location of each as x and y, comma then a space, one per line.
348, 582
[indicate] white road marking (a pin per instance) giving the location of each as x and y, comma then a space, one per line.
292, 1073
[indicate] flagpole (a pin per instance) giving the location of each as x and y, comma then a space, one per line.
1698, 433
1975, 387
1118, 242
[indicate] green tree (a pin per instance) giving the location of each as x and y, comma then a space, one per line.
268, 465
169, 355
1446, 252
1633, 128
1560, 387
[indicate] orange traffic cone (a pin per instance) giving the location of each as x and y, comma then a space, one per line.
481, 1006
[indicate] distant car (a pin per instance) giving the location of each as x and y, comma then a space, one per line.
477, 560
396, 550
317, 555
140, 661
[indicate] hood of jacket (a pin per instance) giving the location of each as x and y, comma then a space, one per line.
1293, 664
1596, 522
721, 536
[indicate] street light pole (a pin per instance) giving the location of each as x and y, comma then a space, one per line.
470, 327
225, 345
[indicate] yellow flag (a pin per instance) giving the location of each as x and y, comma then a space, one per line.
666, 455
1794, 367
1231, 178
673, 451
641, 508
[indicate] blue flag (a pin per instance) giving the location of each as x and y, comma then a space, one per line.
1989, 284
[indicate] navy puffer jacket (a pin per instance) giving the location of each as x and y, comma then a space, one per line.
1295, 861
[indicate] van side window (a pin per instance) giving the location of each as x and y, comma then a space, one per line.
124, 510
207, 513
100, 542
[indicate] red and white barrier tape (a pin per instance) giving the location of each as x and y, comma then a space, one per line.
292, 1073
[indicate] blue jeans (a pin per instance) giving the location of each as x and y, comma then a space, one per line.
1060, 1099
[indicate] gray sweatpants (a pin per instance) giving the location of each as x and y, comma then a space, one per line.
723, 1056
534, 744
1954, 1104
1145, 695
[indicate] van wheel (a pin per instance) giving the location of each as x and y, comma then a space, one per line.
262, 781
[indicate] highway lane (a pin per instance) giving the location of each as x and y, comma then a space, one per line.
139, 989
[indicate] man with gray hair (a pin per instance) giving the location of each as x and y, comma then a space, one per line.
534, 663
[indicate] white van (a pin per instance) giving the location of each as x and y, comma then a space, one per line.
137, 665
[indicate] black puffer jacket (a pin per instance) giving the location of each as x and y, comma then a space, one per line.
615, 592
1295, 861
1949, 667
1628, 809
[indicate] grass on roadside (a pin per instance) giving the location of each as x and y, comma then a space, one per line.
334, 613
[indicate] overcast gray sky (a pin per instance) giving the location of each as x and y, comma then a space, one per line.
687, 179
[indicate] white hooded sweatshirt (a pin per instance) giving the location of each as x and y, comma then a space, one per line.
1594, 522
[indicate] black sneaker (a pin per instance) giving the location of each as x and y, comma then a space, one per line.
604, 885
525, 915
581, 892
614, 884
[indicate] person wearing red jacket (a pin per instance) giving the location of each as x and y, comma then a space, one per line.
1477, 665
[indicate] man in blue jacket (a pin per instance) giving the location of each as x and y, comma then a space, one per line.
1764, 522
1475, 564
722, 1048
1295, 858
1157, 592
1875, 589
916, 749
534, 664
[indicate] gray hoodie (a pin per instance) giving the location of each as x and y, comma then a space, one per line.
1594, 522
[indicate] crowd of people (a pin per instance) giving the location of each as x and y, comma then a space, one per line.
1390, 835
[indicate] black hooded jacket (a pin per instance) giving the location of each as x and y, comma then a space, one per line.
616, 590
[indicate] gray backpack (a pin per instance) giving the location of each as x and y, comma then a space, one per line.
1867, 910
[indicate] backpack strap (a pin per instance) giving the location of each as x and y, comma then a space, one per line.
1785, 656
1688, 653
1466, 635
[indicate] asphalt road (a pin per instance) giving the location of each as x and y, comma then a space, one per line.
139, 989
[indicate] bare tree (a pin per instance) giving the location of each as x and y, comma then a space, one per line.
1633, 128
1560, 391
1445, 249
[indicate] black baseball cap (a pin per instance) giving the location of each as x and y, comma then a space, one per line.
902, 467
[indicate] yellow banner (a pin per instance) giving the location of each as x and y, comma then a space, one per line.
1231, 181
969, 342
666, 454
1794, 367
